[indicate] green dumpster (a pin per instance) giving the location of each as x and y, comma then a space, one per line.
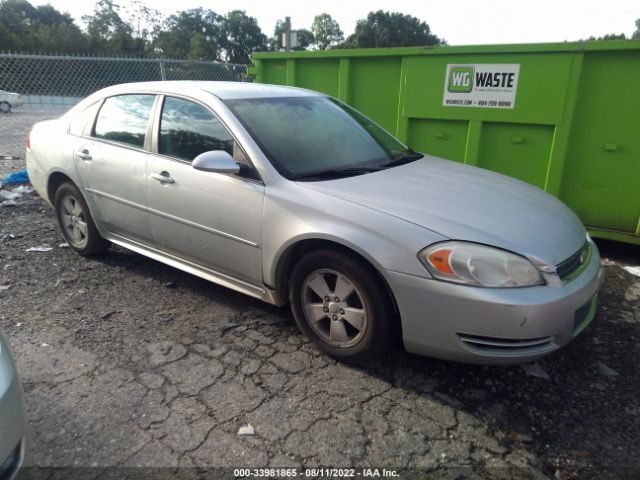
564, 117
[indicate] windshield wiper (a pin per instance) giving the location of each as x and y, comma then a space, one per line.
337, 173
352, 171
412, 157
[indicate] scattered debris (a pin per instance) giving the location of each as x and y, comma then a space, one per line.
19, 178
63, 245
6, 286
248, 430
271, 319
44, 344
632, 293
38, 249
606, 261
580, 453
535, 370
633, 270
9, 157
521, 437
10, 198
23, 189
606, 370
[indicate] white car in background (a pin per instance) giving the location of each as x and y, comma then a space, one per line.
9, 100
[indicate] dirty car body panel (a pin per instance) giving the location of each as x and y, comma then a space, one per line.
12, 418
239, 229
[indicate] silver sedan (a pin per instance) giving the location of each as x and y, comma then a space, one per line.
293, 197
12, 419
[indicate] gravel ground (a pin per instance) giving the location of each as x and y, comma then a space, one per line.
127, 362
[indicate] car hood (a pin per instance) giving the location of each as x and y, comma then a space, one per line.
467, 203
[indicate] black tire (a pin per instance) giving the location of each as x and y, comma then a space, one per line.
378, 317
88, 241
5, 107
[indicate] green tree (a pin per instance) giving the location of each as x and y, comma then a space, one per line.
16, 18
275, 42
24, 27
386, 29
174, 37
241, 36
109, 33
306, 38
144, 20
105, 22
63, 36
636, 34
326, 31
610, 36
8, 40
199, 49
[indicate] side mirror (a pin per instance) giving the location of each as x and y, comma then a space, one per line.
217, 161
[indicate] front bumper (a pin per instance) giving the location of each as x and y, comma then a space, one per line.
12, 418
493, 325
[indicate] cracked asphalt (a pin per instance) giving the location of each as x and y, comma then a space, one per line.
126, 362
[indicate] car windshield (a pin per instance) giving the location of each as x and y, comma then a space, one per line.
311, 138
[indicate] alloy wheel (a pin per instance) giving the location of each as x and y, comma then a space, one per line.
73, 221
334, 307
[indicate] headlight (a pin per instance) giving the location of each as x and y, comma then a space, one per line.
473, 264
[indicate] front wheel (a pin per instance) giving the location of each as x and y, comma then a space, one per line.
340, 304
5, 107
76, 223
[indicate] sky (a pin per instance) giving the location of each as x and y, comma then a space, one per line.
459, 22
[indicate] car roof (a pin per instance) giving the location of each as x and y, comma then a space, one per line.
222, 90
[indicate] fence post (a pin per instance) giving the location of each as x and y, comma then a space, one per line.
163, 75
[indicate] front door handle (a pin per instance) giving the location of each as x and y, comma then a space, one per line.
163, 177
83, 155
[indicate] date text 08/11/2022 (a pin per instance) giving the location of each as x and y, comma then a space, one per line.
315, 472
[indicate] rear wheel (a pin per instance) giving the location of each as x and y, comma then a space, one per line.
5, 107
340, 304
76, 223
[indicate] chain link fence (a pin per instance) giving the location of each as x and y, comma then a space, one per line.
41, 87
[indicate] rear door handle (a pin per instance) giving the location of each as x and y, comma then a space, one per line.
83, 155
163, 177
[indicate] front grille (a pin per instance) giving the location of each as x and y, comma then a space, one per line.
569, 266
506, 346
10, 465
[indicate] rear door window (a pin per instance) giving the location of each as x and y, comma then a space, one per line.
82, 122
188, 129
124, 119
